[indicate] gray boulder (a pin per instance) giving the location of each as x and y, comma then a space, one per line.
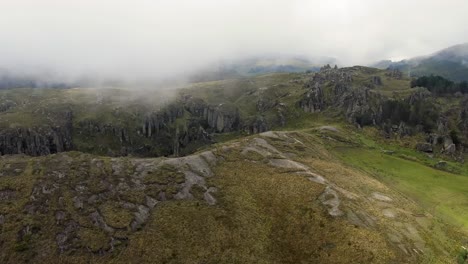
424, 147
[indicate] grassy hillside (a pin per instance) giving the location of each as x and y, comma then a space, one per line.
444, 194
441, 190
314, 196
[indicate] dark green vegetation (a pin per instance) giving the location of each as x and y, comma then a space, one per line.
370, 171
440, 86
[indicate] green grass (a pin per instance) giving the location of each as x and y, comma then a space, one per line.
442, 193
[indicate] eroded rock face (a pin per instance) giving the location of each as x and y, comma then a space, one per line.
394, 73
37, 141
376, 80
174, 128
169, 131
362, 105
313, 101
334, 88
464, 116
424, 147
419, 95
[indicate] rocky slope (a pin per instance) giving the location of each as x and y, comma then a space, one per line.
224, 205
118, 123
362, 96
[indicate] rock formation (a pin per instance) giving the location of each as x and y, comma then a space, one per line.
37, 140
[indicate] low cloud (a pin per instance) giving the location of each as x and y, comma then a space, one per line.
152, 40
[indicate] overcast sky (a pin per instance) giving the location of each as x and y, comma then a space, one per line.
151, 38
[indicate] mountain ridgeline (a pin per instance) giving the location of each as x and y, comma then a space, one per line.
450, 63
101, 122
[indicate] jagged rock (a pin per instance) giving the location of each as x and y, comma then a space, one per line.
313, 101
389, 212
170, 130
205, 119
360, 106
434, 139
262, 105
59, 217
424, 147
464, 116
450, 149
328, 128
381, 197
77, 202
92, 199
281, 118
162, 196
222, 118
64, 239
140, 217
442, 125
441, 164
6, 105
394, 73
326, 67
376, 80
7, 194
98, 221
35, 141
258, 126
208, 197
419, 95
150, 202
287, 164
93, 127
330, 199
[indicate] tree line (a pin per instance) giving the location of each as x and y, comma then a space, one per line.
439, 85
421, 113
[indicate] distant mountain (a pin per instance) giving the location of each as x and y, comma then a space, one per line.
260, 65
9, 80
451, 63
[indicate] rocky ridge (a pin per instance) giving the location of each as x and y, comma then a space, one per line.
77, 204
362, 104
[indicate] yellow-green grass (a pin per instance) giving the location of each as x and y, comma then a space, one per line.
442, 193
262, 216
